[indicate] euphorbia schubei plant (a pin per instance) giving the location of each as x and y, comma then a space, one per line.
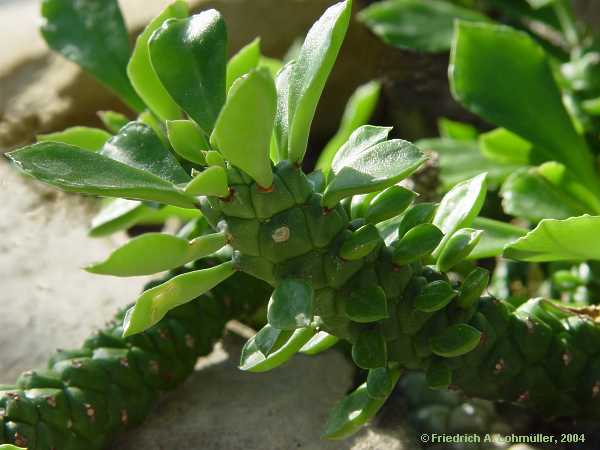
347, 253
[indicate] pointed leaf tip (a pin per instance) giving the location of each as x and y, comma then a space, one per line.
212, 181
291, 305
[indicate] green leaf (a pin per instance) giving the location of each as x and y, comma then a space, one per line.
83, 137
416, 215
425, 26
113, 121
279, 151
496, 235
389, 203
527, 194
187, 140
365, 305
537, 4
419, 241
214, 158
245, 143
291, 305
141, 72
504, 76
10, 447
139, 147
473, 287
76, 170
93, 35
359, 170
155, 252
358, 111
211, 181
456, 340
369, 350
310, 72
243, 62
319, 343
360, 243
502, 146
356, 409
380, 382
573, 239
458, 131
560, 177
439, 375
459, 207
253, 360
190, 58
269, 339
153, 304
457, 248
118, 214
435, 296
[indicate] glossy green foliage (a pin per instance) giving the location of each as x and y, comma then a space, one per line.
279, 150
502, 146
415, 24
435, 296
370, 349
362, 242
10, 447
389, 203
572, 239
457, 248
117, 214
458, 131
245, 143
112, 120
357, 168
92, 139
211, 181
187, 139
496, 235
505, 77
291, 305
366, 305
154, 252
76, 170
473, 287
416, 243
319, 343
456, 340
243, 62
310, 72
153, 304
93, 35
138, 146
141, 72
357, 113
190, 59
460, 206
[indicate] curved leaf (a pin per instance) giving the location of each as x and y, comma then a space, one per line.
319, 343
190, 58
243, 62
118, 214
496, 235
187, 140
211, 181
92, 139
155, 252
291, 305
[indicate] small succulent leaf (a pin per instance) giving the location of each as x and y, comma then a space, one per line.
291, 305
418, 242
528, 194
460, 206
319, 343
273, 65
155, 252
435, 296
496, 235
153, 304
504, 76
439, 375
242, 62
245, 143
456, 340
190, 58
503, 146
141, 73
416, 215
214, 158
281, 125
389, 203
212, 181
473, 287
117, 214
360, 243
373, 169
92, 139
369, 351
253, 360
415, 24
354, 410
267, 338
572, 239
138, 146
310, 72
158, 216
458, 131
112, 120
10, 447
76, 170
317, 180
359, 141
93, 35
187, 139
367, 305
457, 248
149, 119
380, 382
359, 109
